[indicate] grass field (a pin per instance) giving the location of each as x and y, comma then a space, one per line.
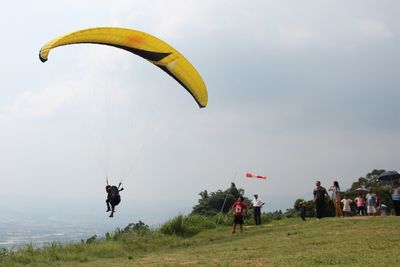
356, 241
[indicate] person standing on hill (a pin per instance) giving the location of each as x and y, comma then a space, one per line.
378, 203
360, 202
319, 199
346, 206
336, 198
396, 198
257, 204
371, 203
239, 209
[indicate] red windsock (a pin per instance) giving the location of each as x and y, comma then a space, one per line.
252, 175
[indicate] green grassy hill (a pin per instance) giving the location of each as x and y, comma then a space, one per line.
356, 241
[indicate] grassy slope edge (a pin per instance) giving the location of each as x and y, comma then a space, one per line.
357, 241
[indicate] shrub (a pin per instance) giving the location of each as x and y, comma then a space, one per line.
139, 228
4, 252
132, 229
180, 226
91, 239
201, 222
223, 219
265, 218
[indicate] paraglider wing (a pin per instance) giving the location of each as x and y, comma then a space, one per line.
144, 45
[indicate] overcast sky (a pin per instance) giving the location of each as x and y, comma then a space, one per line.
298, 91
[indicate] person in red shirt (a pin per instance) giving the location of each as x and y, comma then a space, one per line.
239, 210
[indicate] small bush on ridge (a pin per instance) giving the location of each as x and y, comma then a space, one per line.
181, 226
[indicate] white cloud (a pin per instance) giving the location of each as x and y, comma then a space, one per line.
294, 37
372, 28
83, 95
30, 104
88, 86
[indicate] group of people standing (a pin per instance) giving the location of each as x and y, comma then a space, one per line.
368, 203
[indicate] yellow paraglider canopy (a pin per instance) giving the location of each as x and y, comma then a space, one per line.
144, 45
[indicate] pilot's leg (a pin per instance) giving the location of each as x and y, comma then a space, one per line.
108, 205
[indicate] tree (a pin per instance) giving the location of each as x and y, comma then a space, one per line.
203, 194
212, 203
370, 180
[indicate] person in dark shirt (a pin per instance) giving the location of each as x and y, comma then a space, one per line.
319, 199
113, 198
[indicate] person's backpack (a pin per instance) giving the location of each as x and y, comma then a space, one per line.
115, 198
114, 192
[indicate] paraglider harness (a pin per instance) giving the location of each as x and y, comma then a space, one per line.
113, 197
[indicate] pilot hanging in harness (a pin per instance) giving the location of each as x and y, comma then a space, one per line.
113, 197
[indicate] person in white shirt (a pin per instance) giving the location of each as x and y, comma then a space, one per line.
371, 203
257, 204
346, 206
